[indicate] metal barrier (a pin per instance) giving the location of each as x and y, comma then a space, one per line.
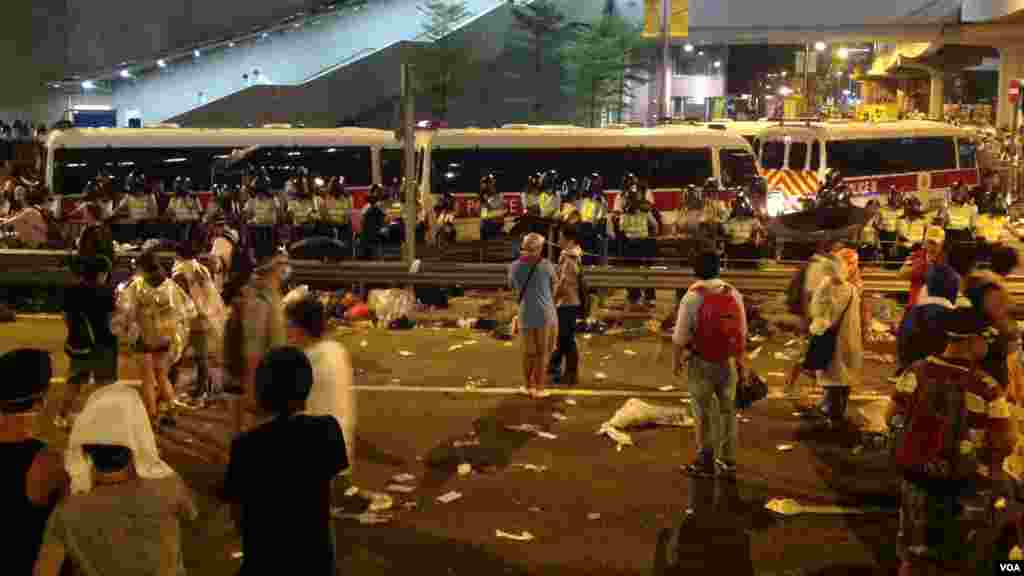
48, 268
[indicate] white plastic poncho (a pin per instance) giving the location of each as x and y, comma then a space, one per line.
332, 393
209, 305
827, 305
126, 322
113, 415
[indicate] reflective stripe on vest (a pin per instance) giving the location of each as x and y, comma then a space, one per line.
264, 211
138, 207
184, 210
588, 210
302, 210
635, 225
990, 228
492, 207
531, 200
548, 205
338, 210
889, 219
960, 217
740, 231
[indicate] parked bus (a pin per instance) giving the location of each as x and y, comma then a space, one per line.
919, 157
668, 159
74, 157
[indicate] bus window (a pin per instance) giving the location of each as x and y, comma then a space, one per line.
354, 163
738, 167
773, 155
679, 168
391, 165
815, 156
798, 156
853, 158
968, 154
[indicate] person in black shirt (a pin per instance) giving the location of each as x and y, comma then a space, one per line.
278, 479
91, 346
374, 220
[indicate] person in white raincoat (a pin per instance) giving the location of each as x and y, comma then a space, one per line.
156, 314
123, 514
332, 393
837, 303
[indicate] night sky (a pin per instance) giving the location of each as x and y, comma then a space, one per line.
747, 62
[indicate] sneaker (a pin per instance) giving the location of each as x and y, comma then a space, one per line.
702, 467
726, 469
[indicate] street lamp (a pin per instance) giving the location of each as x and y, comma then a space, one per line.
161, 63
718, 63
783, 73
844, 53
126, 74
688, 47
820, 46
88, 85
785, 91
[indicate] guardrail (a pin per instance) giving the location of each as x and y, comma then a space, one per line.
48, 268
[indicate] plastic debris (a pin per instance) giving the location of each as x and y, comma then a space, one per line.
465, 469
364, 344
757, 338
570, 401
534, 509
533, 467
668, 388
406, 478
464, 443
755, 353
405, 353
449, 497
523, 536
776, 375
454, 347
874, 416
365, 518
380, 502
629, 352
593, 516
352, 491
788, 507
559, 416
402, 488
391, 304
784, 447
546, 435
600, 375
857, 450
469, 342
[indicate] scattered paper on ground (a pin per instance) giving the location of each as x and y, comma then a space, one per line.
784, 447
559, 416
570, 401
464, 443
776, 375
546, 435
405, 353
364, 518
534, 467
406, 478
755, 353
600, 375
465, 469
364, 343
788, 507
523, 536
454, 347
352, 491
379, 502
402, 488
593, 516
629, 352
874, 416
449, 497
668, 388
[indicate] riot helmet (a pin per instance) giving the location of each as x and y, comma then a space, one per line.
488, 185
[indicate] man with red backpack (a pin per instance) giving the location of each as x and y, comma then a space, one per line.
710, 338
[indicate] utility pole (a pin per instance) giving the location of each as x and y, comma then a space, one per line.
807, 66
409, 148
664, 110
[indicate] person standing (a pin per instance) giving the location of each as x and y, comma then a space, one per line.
888, 224
184, 209
710, 340
32, 476
336, 211
123, 515
301, 478
568, 303
919, 336
961, 217
635, 225
916, 267
534, 278
492, 209
823, 264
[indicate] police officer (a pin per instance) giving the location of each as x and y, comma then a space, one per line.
742, 232
548, 202
336, 210
593, 210
570, 194
634, 227
302, 207
868, 249
912, 228
888, 222
262, 212
993, 226
445, 212
492, 209
961, 217
134, 211
183, 209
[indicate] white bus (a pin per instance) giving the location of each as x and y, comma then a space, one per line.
668, 159
919, 157
74, 157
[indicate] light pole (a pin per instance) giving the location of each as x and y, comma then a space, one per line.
666, 56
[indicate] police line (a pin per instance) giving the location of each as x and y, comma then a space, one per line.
47, 268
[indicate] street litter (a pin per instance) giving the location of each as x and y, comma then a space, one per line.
874, 416
559, 416
365, 518
882, 358
787, 507
454, 347
403, 488
405, 353
534, 509
392, 304
784, 447
588, 336
469, 342
396, 380
507, 344
546, 435
236, 555
464, 443
667, 388
465, 469
531, 428
600, 375
637, 413
449, 497
352, 491
534, 467
1016, 554
757, 338
1000, 504
756, 352
629, 352
593, 516
409, 505
792, 342
570, 401
521, 537
403, 478
380, 502
364, 343
776, 375
607, 357
782, 356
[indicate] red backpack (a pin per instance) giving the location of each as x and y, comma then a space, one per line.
719, 333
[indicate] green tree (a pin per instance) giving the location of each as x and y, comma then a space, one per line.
441, 65
603, 63
544, 31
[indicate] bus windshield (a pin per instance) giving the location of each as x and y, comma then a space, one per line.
74, 168
738, 167
854, 158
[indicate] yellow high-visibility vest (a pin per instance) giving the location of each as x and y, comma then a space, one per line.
588, 210
301, 209
338, 210
264, 211
548, 205
634, 225
138, 207
889, 219
992, 228
740, 231
960, 217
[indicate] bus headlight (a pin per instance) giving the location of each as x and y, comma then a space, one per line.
776, 204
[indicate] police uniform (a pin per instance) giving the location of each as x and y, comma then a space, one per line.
888, 224
261, 211
492, 216
960, 223
336, 216
638, 245
302, 211
593, 214
136, 211
184, 212
740, 232
992, 233
911, 231
445, 210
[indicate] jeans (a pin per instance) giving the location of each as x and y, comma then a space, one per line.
713, 397
567, 316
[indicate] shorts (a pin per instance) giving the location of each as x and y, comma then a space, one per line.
539, 341
101, 364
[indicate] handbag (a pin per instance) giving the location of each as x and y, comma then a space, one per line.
751, 389
822, 348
